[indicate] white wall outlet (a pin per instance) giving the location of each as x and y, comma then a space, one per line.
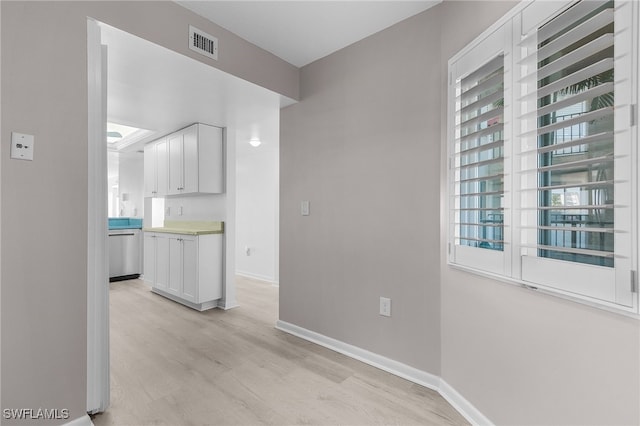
304, 208
167, 211
180, 211
22, 146
247, 251
385, 306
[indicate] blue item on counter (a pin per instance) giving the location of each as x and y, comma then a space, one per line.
125, 223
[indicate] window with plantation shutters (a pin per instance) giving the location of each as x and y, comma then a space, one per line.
543, 170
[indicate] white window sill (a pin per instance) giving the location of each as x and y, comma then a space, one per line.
609, 307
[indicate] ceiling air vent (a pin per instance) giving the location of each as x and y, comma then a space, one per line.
203, 43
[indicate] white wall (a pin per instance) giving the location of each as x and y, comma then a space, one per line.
131, 182
257, 210
197, 207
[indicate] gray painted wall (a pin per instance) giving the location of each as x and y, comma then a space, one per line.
364, 145
44, 202
519, 356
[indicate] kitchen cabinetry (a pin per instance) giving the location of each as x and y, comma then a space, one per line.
156, 170
192, 159
185, 268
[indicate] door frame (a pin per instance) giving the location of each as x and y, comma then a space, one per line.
98, 380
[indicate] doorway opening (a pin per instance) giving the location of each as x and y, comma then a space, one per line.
134, 82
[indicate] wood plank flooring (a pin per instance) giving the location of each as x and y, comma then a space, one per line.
171, 365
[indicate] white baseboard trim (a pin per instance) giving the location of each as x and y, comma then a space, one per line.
464, 407
225, 304
197, 306
265, 278
80, 421
394, 367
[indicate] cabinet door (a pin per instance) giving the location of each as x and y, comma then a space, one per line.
190, 269
149, 267
175, 265
150, 176
162, 262
176, 178
190, 157
162, 168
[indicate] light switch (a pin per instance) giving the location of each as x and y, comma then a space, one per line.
385, 306
22, 146
304, 208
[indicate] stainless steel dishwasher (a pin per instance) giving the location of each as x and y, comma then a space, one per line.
124, 254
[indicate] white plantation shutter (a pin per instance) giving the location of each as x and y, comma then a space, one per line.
477, 155
574, 81
543, 156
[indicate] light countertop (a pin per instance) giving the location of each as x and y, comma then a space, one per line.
189, 227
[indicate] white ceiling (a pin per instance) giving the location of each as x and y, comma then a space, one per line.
153, 88
301, 32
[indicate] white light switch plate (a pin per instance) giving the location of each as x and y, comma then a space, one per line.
304, 208
22, 146
385, 306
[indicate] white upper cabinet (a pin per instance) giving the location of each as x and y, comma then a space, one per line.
191, 159
176, 164
155, 169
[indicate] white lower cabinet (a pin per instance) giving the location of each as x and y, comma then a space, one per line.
162, 268
184, 268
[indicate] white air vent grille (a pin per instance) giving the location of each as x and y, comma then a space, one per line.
203, 43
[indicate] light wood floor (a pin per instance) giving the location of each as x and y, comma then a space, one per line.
171, 365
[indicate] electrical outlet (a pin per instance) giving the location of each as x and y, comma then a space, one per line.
22, 146
385, 306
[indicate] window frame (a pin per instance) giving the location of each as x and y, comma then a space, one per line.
515, 266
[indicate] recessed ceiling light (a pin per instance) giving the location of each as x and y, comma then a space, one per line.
113, 137
255, 142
